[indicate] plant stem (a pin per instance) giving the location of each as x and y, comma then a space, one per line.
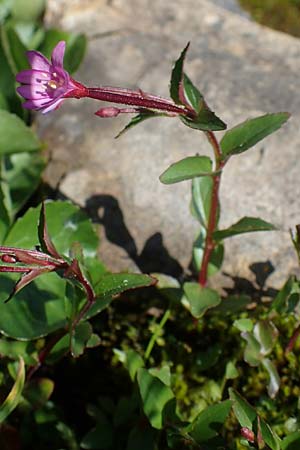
155, 335
135, 98
292, 341
214, 206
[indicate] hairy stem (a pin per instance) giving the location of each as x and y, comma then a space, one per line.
214, 205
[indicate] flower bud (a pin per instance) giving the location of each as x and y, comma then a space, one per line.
248, 434
109, 111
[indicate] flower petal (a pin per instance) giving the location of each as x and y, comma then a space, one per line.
57, 57
33, 91
35, 104
33, 76
38, 61
53, 105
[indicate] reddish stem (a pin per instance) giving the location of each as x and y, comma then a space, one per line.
292, 341
44, 353
135, 98
214, 205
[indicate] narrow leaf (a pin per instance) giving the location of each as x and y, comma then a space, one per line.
274, 382
244, 412
247, 134
201, 199
192, 95
139, 119
200, 299
280, 301
44, 237
13, 398
291, 442
206, 120
244, 225
177, 76
186, 169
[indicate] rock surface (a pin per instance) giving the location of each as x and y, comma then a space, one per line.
243, 70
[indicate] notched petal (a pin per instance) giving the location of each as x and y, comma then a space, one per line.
57, 57
38, 61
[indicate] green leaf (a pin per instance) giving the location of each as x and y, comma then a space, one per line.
21, 175
139, 119
14, 49
206, 120
280, 302
247, 417
200, 299
163, 373
216, 257
291, 442
133, 362
40, 307
274, 382
244, 225
243, 324
93, 341
208, 423
186, 169
38, 391
231, 371
8, 85
75, 47
192, 95
269, 436
67, 224
266, 334
80, 337
28, 11
4, 216
248, 133
201, 199
111, 285
252, 353
245, 414
155, 397
15, 136
177, 76
13, 398
15, 349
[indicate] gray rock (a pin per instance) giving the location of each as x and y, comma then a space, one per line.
243, 70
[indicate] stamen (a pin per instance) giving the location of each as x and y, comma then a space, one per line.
52, 84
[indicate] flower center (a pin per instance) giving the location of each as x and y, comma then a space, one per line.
55, 82
52, 84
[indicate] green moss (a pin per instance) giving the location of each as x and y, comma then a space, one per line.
282, 15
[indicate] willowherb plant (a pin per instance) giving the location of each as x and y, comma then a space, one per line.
85, 288
48, 84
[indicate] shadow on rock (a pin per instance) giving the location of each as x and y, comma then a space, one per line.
105, 209
258, 289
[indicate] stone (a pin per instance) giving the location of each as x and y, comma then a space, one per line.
243, 69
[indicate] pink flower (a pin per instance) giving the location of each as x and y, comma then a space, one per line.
46, 83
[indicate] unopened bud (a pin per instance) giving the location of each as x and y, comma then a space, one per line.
248, 434
109, 111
